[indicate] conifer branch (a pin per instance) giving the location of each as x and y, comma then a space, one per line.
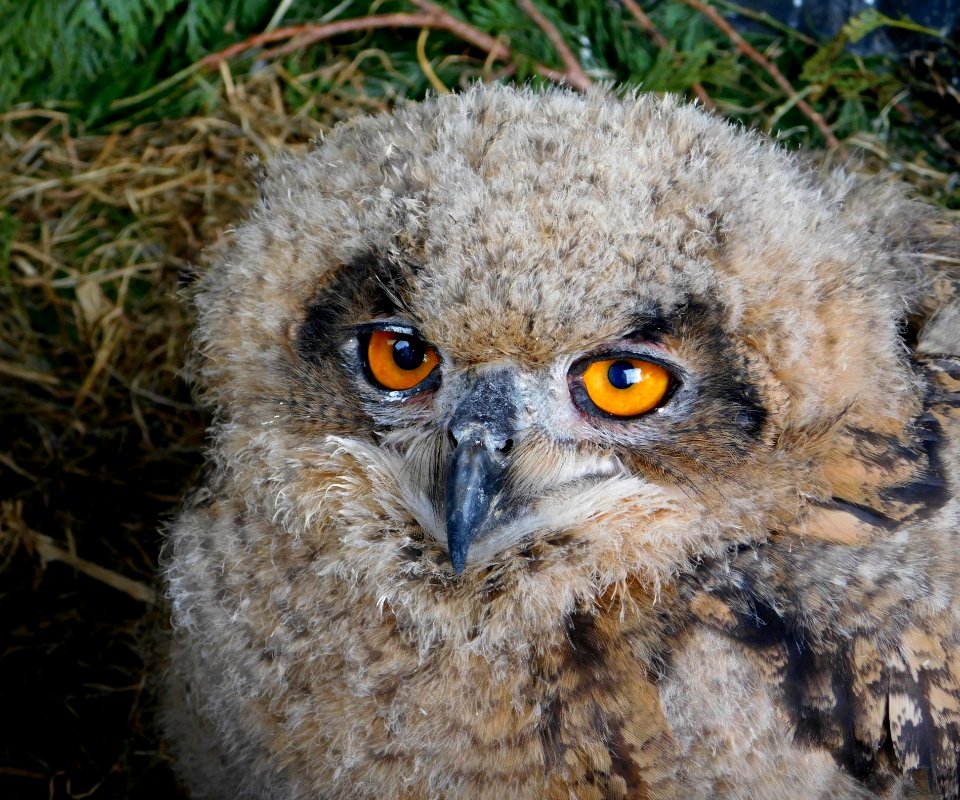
661, 42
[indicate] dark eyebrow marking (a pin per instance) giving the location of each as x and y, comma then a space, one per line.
651, 323
366, 287
725, 378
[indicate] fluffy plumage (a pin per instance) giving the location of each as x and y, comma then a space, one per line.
750, 591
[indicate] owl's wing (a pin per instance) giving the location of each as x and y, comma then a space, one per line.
854, 618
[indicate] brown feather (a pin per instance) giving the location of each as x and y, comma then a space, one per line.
747, 591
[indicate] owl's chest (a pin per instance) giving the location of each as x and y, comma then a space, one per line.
578, 717
316, 687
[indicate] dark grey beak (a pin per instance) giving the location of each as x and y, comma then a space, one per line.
481, 429
475, 479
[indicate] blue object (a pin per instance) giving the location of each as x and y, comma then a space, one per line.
823, 20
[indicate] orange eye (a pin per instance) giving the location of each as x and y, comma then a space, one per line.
625, 387
398, 360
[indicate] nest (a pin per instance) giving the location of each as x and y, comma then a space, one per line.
99, 436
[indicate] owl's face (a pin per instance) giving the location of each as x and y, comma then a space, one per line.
528, 349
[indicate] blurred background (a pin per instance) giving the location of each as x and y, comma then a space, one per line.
127, 132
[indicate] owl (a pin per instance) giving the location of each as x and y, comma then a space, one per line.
572, 447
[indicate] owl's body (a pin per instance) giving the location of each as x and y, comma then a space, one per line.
496, 577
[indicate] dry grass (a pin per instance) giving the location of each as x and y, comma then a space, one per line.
99, 436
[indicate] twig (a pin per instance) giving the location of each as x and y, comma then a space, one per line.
278, 15
48, 551
162, 86
441, 18
661, 41
575, 74
444, 20
310, 33
24, 374
298, 37
744, 47
426, 66
24, 773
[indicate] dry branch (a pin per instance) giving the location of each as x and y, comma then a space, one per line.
298, 37
49, 551
574, 72
759, 58
15, 532
305, 35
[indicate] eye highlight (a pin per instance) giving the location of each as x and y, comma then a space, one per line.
398, 361
625, 387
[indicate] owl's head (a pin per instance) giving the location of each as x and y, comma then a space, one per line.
525, 348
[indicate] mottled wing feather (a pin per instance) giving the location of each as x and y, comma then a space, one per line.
870, 631
870, 681
925, 705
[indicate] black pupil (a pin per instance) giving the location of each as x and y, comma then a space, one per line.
408, 353
622, 374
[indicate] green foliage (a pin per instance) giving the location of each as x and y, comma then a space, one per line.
83, 54
133, 60
868, 21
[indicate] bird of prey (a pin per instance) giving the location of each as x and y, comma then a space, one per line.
572, 447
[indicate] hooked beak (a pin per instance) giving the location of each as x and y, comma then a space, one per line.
482, 429
476, 476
